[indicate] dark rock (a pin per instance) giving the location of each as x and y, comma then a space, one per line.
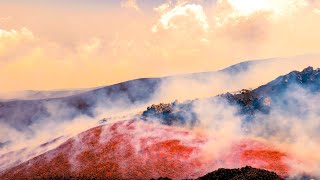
162, 178
246, 173
171, 114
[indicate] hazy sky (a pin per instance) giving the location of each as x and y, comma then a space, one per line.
56, 44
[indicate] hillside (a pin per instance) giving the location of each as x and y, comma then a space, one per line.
130, 149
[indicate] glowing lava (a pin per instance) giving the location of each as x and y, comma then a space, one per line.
135, 149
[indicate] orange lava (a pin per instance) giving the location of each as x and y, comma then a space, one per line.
273, 160
138, 150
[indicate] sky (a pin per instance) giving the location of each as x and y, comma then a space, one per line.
88, 43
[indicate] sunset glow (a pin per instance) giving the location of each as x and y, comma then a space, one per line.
168, 89
182, 36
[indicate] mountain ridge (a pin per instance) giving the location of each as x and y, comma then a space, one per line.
20, 114
249, 102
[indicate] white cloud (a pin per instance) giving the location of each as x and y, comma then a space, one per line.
232, 10
163, 7
24, 33
14, 40
181, 16
247, 7
91, 46
316, 11
130, 4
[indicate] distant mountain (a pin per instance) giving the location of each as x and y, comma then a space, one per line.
265, 97
33, 95
22, 113
249, 102
58, 105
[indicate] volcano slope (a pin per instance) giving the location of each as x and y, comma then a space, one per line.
139, 150
143, 149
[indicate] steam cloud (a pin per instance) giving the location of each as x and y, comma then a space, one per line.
292, 129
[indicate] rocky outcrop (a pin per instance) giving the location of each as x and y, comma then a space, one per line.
246, 173
171, 114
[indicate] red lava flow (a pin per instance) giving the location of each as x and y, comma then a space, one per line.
135, 149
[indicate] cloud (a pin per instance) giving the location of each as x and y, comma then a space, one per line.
94, 45
24, 33
186, 38
233, 10
130, 4
5, 19
316, 11
247, 7
181, 17
253, 28
13, 39
163, 8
